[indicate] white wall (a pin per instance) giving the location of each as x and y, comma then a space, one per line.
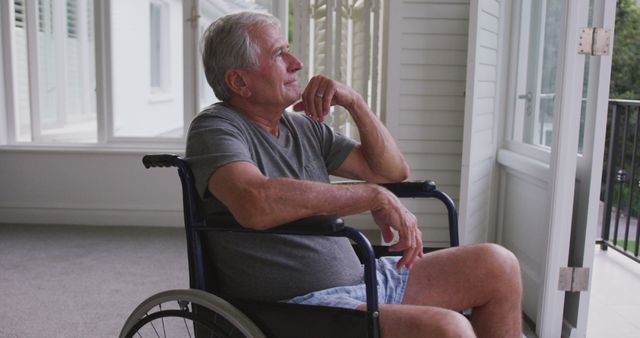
85, 187
483, 120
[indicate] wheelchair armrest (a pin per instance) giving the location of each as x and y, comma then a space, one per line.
405, 189
411, 188
314, 225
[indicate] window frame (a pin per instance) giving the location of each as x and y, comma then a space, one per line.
105, 138
520, 84
160, 91
8, 94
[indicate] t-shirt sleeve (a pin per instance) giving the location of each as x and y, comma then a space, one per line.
211, 143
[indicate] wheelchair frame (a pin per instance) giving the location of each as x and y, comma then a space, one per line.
197, 224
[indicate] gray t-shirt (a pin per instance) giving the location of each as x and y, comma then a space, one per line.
271, 267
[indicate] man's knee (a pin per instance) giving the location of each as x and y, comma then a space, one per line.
502, 263
405, 321
453, 324
445, 324
501, 255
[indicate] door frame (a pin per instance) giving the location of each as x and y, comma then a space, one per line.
589, 171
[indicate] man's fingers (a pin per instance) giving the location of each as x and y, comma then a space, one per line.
299, 106
310, 96
405, 241
320, 94
410, 244
387, 234
324, 95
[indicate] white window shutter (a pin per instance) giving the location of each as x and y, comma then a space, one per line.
361, 46
322, 44
20, 13
339, 39
72, 18
300, 37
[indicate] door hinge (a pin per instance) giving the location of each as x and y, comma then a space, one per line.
573, 279
594, 41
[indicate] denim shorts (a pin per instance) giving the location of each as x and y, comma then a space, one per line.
391, 285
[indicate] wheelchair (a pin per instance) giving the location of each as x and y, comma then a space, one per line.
198, 312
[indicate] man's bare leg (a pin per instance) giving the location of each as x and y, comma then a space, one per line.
485, 277
413, 321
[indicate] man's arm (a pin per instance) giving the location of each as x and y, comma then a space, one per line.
260, 202
377, 159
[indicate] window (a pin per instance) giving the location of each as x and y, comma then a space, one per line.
540, 32
56, 93
55, 100
156, 46
146, 71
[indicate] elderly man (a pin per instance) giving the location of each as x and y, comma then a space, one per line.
268, 166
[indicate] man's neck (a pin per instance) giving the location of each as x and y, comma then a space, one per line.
265, 117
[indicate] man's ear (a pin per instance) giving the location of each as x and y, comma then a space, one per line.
236, 82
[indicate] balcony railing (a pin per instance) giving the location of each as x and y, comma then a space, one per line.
621, 182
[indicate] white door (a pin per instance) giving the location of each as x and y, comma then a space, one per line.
539, 156
541, 149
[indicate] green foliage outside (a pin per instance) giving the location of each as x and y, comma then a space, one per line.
631, 245
625, 70
625, 84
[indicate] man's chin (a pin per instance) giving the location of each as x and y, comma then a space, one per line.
295, 97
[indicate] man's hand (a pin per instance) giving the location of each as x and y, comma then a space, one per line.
377, 157
393, 215
321, 93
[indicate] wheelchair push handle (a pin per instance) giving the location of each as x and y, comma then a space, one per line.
160, 160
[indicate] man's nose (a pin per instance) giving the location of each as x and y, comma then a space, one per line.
294, 63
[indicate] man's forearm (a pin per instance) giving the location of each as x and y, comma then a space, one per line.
277, 201
377, 145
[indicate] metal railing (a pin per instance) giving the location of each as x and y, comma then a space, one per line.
622, 185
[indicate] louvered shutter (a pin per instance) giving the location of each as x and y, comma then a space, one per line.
20, 13
21, 72
339, 39
361, 46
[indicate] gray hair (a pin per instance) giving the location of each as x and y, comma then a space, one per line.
226, 44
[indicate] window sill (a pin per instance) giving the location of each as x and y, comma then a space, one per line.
524, 164
94, 149
160, 97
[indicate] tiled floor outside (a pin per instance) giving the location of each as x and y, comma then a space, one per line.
614, 309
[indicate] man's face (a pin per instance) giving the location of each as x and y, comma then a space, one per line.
273, 82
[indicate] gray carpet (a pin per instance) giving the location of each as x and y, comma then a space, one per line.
83, 281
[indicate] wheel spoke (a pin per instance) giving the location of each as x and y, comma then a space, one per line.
186, 326
154, 329
164, 329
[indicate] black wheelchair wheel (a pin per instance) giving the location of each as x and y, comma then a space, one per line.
188, 313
